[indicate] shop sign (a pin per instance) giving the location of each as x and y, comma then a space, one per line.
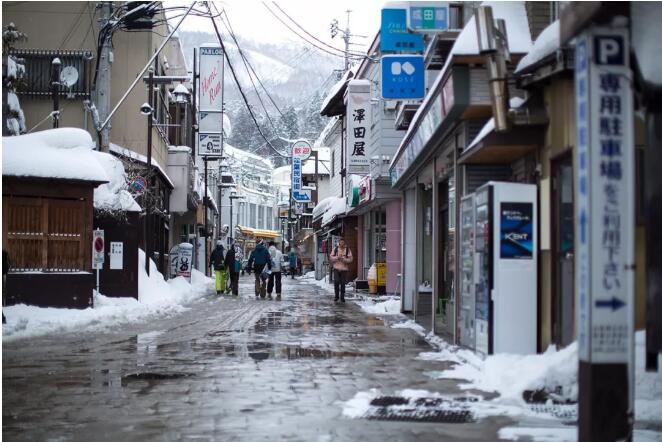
516, 240
365, 189
428, 17
604, 174
185, 260
210, 92
448, 96
359, 117
394, 36
209, 145
301, 149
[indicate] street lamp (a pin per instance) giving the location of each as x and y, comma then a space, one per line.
233, 196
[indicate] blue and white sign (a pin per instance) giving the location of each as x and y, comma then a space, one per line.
297, 193
605, 196
394, 36
403, 77
428, 17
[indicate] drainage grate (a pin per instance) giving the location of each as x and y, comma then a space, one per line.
425, 409
565, 412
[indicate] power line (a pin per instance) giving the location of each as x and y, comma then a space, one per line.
249, 67
236, 80
311, 35
350, 55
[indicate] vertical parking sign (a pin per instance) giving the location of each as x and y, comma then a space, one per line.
604, 162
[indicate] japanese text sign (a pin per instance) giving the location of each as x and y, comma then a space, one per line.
604, 265
394, 36
359, 119
403, 77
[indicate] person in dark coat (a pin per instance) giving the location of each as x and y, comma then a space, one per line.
234, 267
260, 259
216, 262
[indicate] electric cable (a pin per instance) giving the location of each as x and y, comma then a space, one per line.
234, 75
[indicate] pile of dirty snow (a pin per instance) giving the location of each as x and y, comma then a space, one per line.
156, 297
383, 305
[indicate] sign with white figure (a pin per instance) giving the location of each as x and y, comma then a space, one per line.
403, 77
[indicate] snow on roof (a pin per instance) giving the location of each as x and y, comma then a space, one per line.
240, 154
326, 132
65, 153
181, 89
179, 149
547, 43
329, 208
338, 86
519, 42
113, 195
515, 102
141, 158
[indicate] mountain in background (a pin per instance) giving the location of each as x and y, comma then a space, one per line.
297, 77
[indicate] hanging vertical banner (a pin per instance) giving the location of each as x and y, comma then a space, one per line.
604, 262
358, 127
211, 79
210, 101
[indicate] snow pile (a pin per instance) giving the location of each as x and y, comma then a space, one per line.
338, 87
113, 195
547, 43
387, 305
646, 35
321, 139
309, 278
156, 297
564, 434
65, 153
515, 102
648, 385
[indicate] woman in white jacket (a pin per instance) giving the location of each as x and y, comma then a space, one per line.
276, 270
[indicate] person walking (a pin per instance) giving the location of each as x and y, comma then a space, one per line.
216, 262
233, 264
292, 258
341, 257
257, 262
276, 270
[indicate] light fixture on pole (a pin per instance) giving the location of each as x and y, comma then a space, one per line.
233, 196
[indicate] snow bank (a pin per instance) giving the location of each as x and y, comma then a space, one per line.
547, 43
114, 194
156, 297
388, 305
309, 278
337, 206
65, 153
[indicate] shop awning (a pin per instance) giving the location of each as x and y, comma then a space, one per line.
258, 233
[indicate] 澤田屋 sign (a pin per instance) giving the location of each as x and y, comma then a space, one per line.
359, 119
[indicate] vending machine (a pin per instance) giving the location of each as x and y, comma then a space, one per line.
467, 323
505, 266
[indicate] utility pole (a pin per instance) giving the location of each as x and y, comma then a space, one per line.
147, 202
56, 65
346, 39
103, 78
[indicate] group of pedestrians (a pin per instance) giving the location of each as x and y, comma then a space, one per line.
267, 267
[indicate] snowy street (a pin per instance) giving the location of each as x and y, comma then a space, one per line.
227, 369
244, 369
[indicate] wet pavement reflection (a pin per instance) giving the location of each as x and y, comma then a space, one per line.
227, 369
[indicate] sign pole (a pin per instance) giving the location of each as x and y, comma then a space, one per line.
604, 222
204, 208
146, 199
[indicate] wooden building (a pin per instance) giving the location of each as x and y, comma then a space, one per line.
48, 181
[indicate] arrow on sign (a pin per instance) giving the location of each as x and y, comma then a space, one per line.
582, 224
301, 197
614, 303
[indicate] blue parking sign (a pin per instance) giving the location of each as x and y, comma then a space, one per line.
403, 77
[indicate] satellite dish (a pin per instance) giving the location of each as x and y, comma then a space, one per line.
69, 76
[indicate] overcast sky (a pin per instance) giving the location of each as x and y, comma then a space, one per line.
251, 19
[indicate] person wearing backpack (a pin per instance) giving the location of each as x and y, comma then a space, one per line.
340, 258
258, 260
216, 262
233, 263
276, 272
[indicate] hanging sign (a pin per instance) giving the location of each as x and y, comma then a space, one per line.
358, 127
209, 145
394, 36
604, 262
210, 97
301, 151
427, 17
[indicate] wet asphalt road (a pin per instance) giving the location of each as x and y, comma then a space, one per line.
228, 369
